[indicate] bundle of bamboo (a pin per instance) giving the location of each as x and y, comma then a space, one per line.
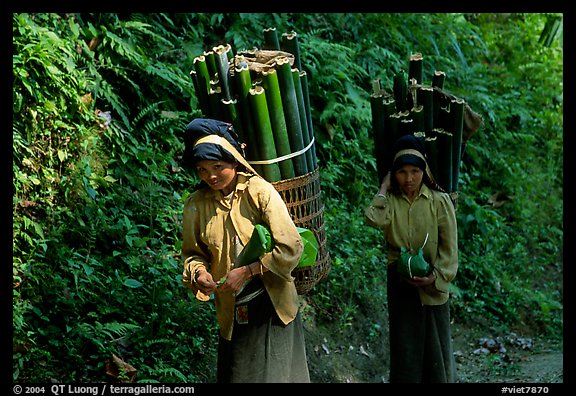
264, 95
443, 121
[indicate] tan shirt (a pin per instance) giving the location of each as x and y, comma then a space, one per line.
209, 224
406, 224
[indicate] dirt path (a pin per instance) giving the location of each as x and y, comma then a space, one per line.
342, 358
510, 359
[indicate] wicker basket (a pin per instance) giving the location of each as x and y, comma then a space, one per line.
302, 196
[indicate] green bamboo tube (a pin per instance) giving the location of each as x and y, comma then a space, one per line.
306, 93
402, 127
230, 112
203, 82
290, 44
263, 128
291, 113
457, 117
271, 41
242, 83
211, 64
378, 133
202, 99
278, 121
214, 97
390, 128
417, 114
430, 143
444, 149
394, 123
415, 68
438, 79
222, 69
439, 101
443, 121
303, 120
229, 52
400, 90
425, 99
406, 126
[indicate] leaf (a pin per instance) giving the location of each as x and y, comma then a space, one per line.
62, 155
133, 283
91, 192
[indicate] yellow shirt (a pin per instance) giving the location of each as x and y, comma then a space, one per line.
210, 222
406, 224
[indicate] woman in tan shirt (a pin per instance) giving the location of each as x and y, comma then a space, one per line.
413, 213
257, 305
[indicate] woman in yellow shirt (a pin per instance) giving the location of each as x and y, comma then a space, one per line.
414, 214
257, 305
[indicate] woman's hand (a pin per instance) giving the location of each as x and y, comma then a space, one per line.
206, 283
421, 281
385, 185
235, 279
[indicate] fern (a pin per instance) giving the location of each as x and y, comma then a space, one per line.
103, 333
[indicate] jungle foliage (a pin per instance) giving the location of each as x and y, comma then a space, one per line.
99, 104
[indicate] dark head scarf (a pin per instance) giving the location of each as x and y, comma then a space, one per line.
410, 150
207, 139
201, 127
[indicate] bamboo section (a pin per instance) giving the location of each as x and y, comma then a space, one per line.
243, 83
278, 121
415, 68
438, 79
400, 90
222, 69
210, 63
303, 120
391, 130
304, 79
379, 132
231, 113
443, 121
214, 98
265, 137
292, 114
431, 144
203, 81
426, 99
406, 126
290, 44
271, 41
457, 117
444, 150
200, 92
417, 114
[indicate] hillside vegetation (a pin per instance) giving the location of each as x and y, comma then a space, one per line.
100, 102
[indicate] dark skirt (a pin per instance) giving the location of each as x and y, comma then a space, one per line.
263, 349
420, 337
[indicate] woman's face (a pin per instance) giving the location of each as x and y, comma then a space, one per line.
409, 178
219, 175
